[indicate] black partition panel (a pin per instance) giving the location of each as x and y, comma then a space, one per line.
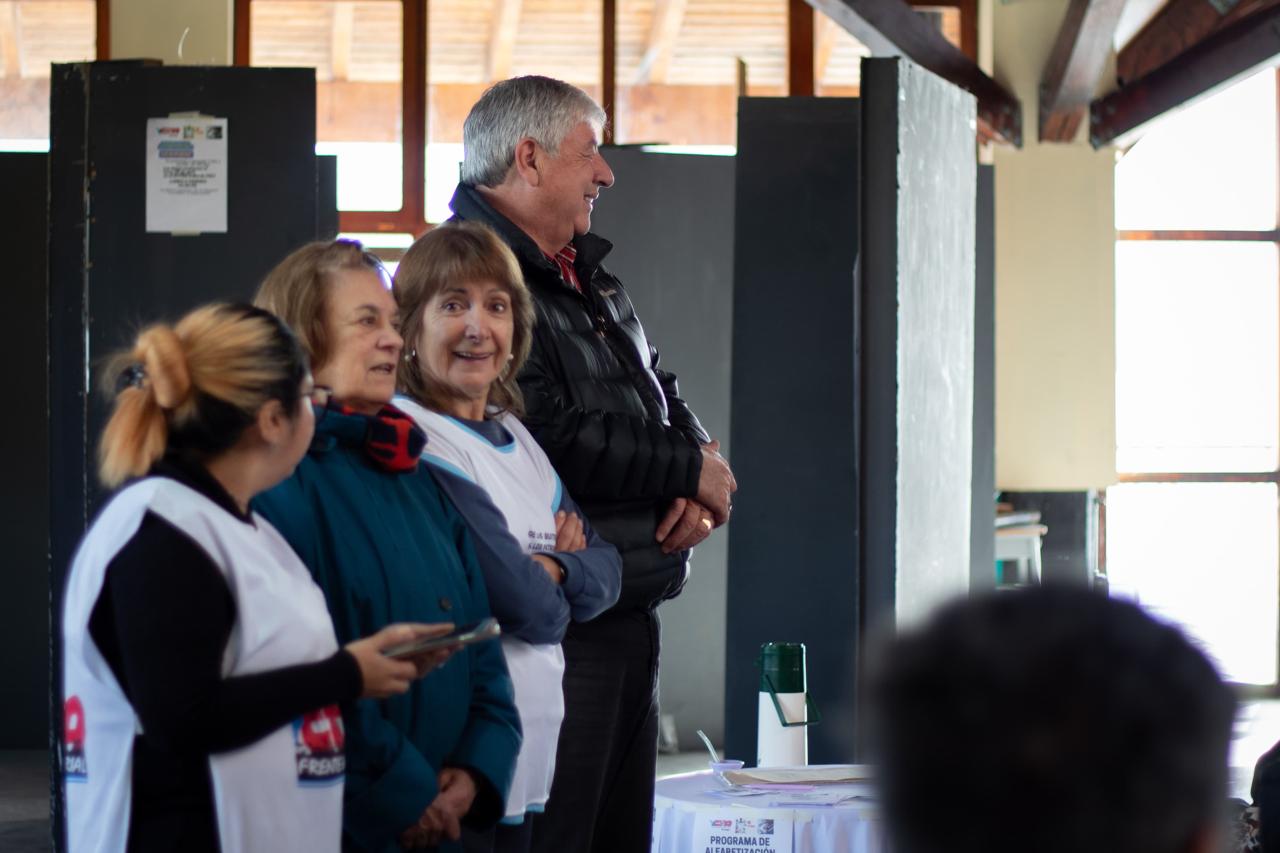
24, 490
793, 540
670, 217
108, 276
326, 197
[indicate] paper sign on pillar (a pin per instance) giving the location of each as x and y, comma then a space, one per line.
186, 175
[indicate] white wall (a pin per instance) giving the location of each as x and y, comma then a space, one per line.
153, 29
1055, 283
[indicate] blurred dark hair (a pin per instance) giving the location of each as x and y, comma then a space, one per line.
1052, 720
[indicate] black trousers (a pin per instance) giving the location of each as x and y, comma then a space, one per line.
602, 793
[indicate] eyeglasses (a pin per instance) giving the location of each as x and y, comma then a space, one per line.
321, 396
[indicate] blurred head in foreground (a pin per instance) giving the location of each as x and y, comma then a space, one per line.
1052, 720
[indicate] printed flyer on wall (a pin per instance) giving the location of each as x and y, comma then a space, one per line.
741, 831
187, 175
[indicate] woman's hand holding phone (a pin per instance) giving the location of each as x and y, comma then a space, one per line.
382, 676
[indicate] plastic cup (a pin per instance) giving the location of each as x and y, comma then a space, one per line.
719, 768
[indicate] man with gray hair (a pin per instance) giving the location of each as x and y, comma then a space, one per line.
624, 443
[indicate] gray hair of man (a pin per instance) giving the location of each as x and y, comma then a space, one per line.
541, 108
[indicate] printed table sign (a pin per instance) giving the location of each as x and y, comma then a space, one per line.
743, 831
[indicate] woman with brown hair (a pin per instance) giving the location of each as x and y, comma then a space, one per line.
386, 544
468, 320
201, 672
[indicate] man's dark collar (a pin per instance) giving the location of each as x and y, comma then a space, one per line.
469, 204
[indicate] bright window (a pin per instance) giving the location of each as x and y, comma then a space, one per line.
355, 50
1210, 166
34, 34
1202, 555
1197, 356
1192, 528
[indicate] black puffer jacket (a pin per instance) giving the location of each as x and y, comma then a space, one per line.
613, 424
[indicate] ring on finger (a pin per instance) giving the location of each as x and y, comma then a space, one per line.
706, 523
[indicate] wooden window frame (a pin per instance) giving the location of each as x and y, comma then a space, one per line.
968, 10
411, 217
102, 29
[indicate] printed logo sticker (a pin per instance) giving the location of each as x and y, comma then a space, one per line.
318, 744
75, 768
733, 833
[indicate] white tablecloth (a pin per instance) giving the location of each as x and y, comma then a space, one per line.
852, 827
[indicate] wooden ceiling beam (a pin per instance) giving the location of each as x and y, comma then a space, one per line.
1222, 57
655, 65
892, 28
1075, 66
10, 31
1176, 27
967, 10
502, 40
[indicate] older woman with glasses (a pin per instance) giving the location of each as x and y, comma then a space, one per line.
468, 320
383, 542
201, 671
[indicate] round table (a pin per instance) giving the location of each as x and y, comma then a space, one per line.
682, 804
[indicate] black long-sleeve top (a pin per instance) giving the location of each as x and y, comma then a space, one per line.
162, 622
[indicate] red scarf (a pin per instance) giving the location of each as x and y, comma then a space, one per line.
391, 439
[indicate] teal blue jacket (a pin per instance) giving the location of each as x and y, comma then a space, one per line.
387, 548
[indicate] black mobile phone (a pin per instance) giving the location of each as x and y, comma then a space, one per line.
463, 635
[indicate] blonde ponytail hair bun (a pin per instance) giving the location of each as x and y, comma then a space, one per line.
195, 386
163, 358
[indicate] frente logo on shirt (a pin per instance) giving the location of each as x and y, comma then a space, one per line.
75, 767
319, 739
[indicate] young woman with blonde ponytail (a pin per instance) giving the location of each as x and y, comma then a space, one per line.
201, 672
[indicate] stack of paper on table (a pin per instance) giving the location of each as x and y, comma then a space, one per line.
823, 774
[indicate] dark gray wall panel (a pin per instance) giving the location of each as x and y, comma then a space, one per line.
982, 549
671, 219
327, 197
918, 291
793, 541
108, 277
24, 495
